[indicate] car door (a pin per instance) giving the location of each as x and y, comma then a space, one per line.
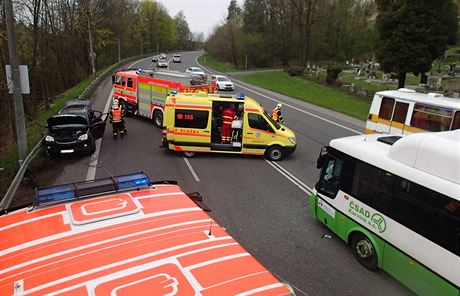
97, 126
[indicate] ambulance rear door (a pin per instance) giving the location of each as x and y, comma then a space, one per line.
192, 128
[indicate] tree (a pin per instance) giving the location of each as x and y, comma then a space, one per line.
233, 22
183, 34
411, 35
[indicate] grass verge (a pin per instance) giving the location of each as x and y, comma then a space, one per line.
211, 62
35, 129
311, 92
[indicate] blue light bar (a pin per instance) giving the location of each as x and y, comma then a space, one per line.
91, 188
174, 92
240, 96
132, 181
56, 193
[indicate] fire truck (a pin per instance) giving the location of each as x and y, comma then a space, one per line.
143, 92
124, 235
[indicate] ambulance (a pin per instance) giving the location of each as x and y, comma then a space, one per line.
124, 235
193, 123
143, 92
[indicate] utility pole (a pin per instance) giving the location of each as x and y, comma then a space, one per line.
91, 52
15, 77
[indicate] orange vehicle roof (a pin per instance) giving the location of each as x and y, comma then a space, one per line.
155, 241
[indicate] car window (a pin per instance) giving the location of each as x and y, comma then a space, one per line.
222, 79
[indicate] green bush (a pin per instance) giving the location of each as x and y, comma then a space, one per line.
295, 71
332, 73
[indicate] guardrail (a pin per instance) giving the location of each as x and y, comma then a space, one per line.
6, 201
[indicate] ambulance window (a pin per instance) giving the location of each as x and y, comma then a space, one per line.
257, 121
130, 82
191, 118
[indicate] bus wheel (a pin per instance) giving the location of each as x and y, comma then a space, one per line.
364, 251
189, 154
274, 153
158, 118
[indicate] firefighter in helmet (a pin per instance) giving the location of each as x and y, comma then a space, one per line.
117, 119
276, 113
228, 115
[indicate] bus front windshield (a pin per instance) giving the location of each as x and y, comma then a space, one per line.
276, 124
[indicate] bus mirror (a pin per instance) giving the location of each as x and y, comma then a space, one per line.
320, 161
321, 158
113, 79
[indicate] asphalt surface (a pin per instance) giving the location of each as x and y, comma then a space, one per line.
264, 206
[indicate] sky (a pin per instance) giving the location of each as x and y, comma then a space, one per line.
201, 15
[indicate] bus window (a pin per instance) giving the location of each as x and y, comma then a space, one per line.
429, 213
431, 118
456, 123
400, 112
372, 186
329, 183
386, 108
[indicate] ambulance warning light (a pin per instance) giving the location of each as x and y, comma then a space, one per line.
240, 96
90, 188
132, 181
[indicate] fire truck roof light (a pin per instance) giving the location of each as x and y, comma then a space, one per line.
83, 189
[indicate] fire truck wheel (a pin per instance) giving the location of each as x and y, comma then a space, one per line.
125, 108
189, 154
158, 118
275, 153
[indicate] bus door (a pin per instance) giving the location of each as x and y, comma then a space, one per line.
383, 125
258, 133
398, 120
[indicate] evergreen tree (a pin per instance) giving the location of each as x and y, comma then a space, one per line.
412, 34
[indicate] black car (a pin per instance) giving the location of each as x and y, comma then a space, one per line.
74, 130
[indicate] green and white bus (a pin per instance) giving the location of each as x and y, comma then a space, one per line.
396, 201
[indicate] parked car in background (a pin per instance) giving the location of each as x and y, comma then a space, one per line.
162, 64
195, 71
74, 129
154, 59
177, 58
223, 83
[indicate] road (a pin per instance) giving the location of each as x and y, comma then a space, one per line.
263, 205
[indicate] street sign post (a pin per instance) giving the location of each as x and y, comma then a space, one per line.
24, 77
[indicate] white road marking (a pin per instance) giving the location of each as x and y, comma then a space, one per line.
91, 175
300, 110
191, 170
302, 186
